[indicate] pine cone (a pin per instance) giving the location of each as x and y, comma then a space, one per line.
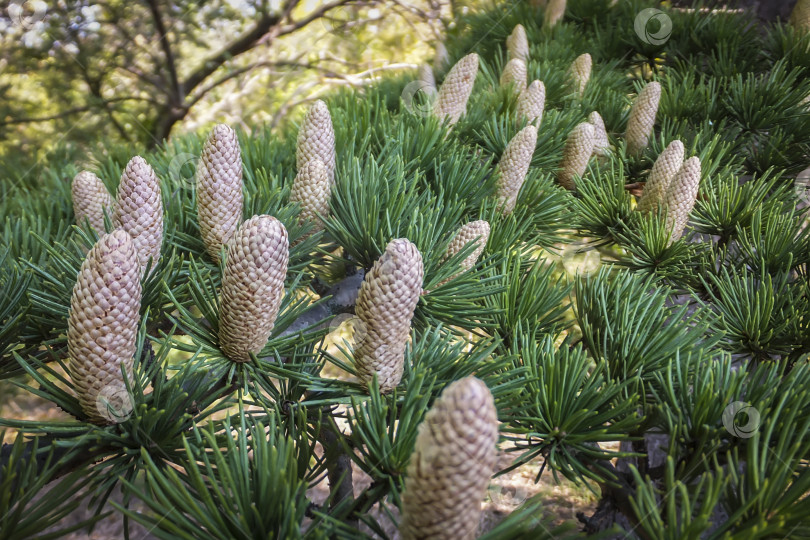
531, 103
103, 326
800, 16
312, 190
252, 286
316, 139
426, 79
513, 166
441, 59
451, 102
555, 10
601, 144
451, 465
681, 196
385, 306
91, 200
642, 118
580, 72
477, 231
663, 171
139, 210
576, 154
219, 189
514, 73
517, 44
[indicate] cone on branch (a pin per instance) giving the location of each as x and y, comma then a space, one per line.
385, 306
441, 59
642, 118
663, 171
576, 154
91, 200
103, 326
139, 210
681, 196
312, 190
252, 286
517, 44
316, 139
426, 78
219, 189
452, 463
555, 10
601, 143
475, 231
513, 166
800, 16
451, 103
514, 73
531, 103
580, 72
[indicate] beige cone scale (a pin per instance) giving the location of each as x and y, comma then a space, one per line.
312, 190
103, 324
800, 16
426, 79
663, 171
514, 73
513, 166
642, 118
531, 102
441, 59
451, 103
385, 306
252, 286
316, 139
517, 44
91, 200
601, 143
681, 197
219, 189
576, 154
555, 10
452, 463
477, 231
139, 210
580, 72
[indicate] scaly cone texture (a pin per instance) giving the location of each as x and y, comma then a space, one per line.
219, 189
800, 16
531, 102
513, 166
441, 58
451, 465
385, 306
252, 286
451, 103
681, 195
426, 78
663, 171
601, 144
103, 323
91, 200
642, 118
139, 210
517, 44
580, 72
555, 10
514, 73
311, 188
576, 154
477, 231
316, 139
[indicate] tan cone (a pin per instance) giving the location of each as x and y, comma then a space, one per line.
642, 118
681, 197
513, 166
252, 286
576, 154
139, 210
426, 79
452, 463
800, 16
601, 143
103, 326
580, 72
663, 171
475, 231
312, 190
517, 44
555, 10
91, 200
514, 73
316, 139
219, 189
531, 103
451, 103
385, 307
441, 59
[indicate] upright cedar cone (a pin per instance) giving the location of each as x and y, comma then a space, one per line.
477, 231
451, 102
311, 188
513, 166
642, 118
91, 200
514, 73
139, 210
580, 72
441, 58
103, 325
576, 154
451, 465
531, 102
219, 189
555, 10
316, 139
385, 306
517, 44
663, 171
601, 144
426, 79
800, 16
252, 286
681, 195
